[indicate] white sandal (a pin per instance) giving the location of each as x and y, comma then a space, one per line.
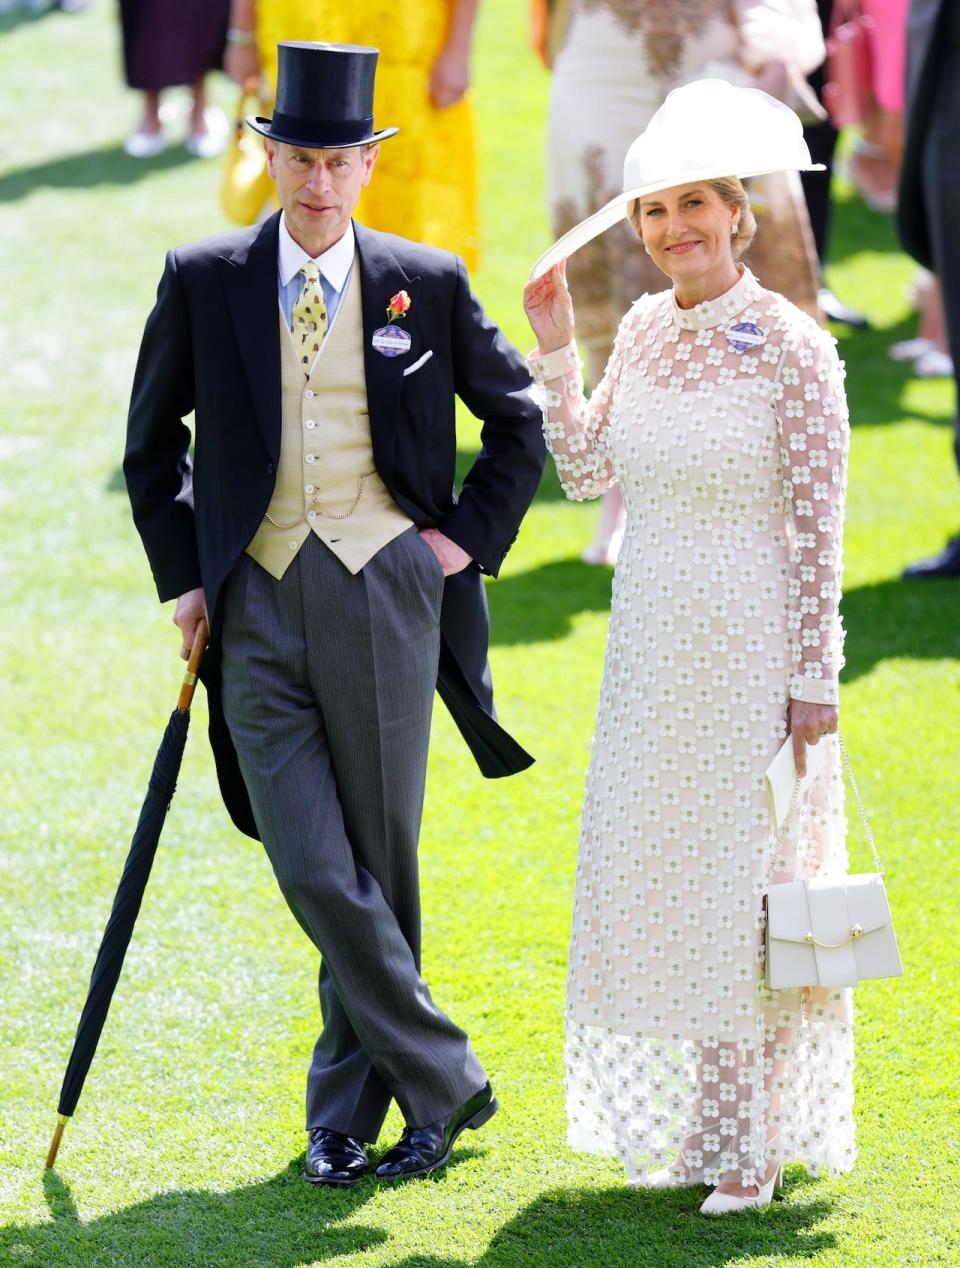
726, 1203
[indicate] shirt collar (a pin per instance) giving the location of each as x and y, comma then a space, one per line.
334, 263
714, 312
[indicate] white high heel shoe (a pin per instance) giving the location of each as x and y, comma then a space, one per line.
725, 1203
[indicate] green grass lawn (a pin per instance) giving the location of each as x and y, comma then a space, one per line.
187, 1145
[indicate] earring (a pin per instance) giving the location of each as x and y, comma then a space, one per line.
734, 229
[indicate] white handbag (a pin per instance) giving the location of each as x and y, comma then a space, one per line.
829, 930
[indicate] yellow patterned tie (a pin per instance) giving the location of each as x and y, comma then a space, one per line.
309, 317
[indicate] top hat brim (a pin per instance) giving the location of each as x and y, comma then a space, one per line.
313, 137
617, 209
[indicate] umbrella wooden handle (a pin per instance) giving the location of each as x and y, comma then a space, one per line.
200, 641
55, 1143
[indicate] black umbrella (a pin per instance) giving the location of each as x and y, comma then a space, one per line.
126, 905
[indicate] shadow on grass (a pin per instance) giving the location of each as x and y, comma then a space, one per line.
530, 607
855, 229
10, 21
277, 1224
876, 386
909, 620
108, 165
283, 1222
280, 1223
613, 1228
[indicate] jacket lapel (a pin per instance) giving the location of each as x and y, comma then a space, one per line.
250, 279
381, 276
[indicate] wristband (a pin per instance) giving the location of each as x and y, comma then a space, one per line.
236, 36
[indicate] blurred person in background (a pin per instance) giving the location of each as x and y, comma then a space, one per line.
616, 63
874, 164
426, 186
821, 138
168, 43
928, 208
929, 351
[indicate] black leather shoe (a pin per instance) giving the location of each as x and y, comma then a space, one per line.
835, 309
946, 564
333, 1158
421, 1150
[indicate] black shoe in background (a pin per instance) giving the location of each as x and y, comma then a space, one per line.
946, 564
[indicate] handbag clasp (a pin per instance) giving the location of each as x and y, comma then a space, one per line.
856, 931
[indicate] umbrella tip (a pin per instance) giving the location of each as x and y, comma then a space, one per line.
55, 1143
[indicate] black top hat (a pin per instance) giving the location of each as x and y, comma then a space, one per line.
324, 97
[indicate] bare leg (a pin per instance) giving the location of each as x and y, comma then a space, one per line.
933, 325
875, 160
150, 121
198, 123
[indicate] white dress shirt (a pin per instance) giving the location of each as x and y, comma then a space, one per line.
334, 264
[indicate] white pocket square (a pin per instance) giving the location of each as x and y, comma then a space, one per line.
412, 369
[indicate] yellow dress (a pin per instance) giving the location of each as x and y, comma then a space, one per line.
425, 183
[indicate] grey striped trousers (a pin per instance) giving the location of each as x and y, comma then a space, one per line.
328, 686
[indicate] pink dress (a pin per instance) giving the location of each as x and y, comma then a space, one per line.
888, 51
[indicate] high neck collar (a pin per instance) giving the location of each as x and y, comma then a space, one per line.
717, 312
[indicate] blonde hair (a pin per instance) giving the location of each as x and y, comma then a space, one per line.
730, 190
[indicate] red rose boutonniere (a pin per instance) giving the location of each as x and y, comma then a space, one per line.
399, 306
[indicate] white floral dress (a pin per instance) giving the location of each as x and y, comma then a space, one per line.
726, 427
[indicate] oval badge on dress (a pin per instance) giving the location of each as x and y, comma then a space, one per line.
745, 335
391, 341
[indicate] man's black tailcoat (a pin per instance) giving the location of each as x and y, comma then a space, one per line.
211, 347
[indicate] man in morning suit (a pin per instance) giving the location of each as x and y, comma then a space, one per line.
319, 528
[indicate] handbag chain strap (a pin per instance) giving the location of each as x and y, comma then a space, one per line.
795, 802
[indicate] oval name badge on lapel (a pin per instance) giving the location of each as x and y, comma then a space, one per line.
745, 335
391, 341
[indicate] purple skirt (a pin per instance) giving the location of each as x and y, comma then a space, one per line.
171, 42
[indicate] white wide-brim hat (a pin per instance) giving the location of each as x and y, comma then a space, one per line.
703, 131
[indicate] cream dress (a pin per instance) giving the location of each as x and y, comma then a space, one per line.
726, 427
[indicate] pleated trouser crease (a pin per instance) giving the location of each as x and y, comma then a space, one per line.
328, 686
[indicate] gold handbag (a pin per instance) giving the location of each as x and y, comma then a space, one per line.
246, 188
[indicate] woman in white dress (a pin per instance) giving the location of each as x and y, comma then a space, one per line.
722, 417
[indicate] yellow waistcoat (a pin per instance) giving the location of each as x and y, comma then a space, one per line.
326, 480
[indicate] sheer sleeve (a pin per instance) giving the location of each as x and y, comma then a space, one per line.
574, 428
814, 438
